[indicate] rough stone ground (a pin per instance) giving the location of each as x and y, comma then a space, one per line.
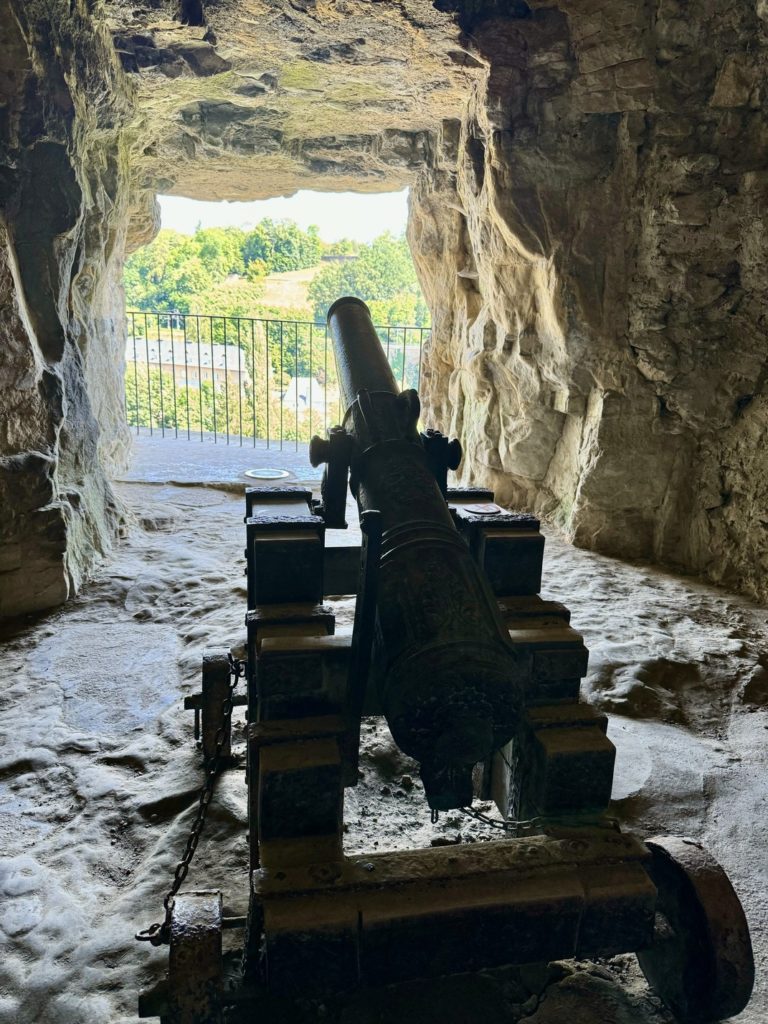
170, 459
98, 772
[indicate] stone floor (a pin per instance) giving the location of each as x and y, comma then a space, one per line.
171, 459
99, 774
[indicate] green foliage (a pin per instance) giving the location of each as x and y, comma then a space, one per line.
344, 247
300, 349
256, 271
282, 245
176, 270
193, 274
221, 251
189, 273
405, 309
250, 407
383, 275
242, 299
166, 274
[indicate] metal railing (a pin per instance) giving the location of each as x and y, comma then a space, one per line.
240, 379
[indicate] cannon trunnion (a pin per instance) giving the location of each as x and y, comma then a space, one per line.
478, 679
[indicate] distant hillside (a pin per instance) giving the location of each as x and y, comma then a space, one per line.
275, 270
289, 289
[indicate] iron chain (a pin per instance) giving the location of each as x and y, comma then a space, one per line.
516, 827
159, 934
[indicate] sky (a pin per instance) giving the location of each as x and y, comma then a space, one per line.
337, 214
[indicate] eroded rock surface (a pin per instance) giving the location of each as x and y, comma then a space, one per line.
103, 106
63, 189
592, 244
256, 98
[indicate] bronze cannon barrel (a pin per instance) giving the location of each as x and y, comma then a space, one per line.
450, 683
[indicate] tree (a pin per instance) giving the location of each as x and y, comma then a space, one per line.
181, 401
166, 274
268, 349
383, 274
342, 247
282, 246
242, 298
221, 251
189, 274
174, 268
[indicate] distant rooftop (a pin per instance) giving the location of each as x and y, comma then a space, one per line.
176, 353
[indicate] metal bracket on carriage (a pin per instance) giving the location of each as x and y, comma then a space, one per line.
219, 666
336, 453
442, 455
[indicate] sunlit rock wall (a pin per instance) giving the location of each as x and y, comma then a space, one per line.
247, 99
591, 238
63, 187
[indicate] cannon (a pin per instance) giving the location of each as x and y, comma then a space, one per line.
478, 679
449, 681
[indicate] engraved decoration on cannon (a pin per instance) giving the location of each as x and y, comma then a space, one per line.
478, 679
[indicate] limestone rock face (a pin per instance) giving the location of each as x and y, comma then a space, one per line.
591, 238
104, 104
247, 99
63, 187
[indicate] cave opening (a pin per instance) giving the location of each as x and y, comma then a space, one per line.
226, 313
579, 298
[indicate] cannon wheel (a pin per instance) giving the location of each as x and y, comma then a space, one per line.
700, 963
195, 968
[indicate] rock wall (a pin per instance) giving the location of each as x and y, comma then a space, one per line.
588, 222
591, 238
63, 220
248, 99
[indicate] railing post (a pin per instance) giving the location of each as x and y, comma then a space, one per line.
186, 371
268, 366
135, 370
173, 378
282, 393
311, 332
239, 383
325, 397
149, 380
226, 381
160, 377
296, 381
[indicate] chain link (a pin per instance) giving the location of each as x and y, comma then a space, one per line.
159, 934
516, 827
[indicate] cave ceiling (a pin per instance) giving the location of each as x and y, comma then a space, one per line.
247, 99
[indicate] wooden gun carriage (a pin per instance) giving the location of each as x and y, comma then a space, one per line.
478, 678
